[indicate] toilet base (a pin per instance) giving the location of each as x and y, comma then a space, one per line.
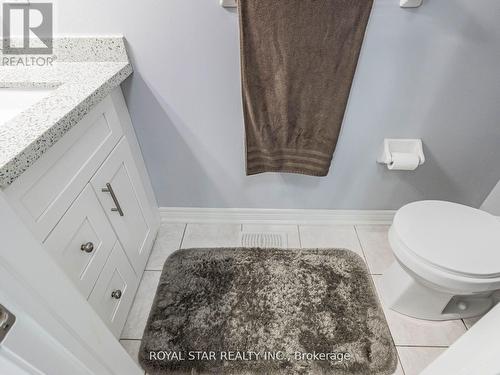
407, 295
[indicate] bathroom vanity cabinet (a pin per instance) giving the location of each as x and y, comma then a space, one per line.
89, 202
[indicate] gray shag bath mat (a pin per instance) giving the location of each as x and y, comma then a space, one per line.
266, 311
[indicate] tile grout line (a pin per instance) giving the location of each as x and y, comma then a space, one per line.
129, 339
466, 328
362, 249
153, 247
183, 234
400, 362
423, 346
300, 239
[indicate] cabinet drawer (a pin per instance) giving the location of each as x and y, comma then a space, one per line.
120, 190
44, 192
82, 241
114, 291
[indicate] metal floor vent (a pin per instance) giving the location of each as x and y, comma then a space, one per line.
264, 240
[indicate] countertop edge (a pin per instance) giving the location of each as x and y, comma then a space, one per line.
11, 170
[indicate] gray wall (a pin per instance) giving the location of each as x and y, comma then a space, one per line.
431, 73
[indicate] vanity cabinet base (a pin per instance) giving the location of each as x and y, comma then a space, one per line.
88, 202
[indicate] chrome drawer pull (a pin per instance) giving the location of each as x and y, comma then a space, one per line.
109, 189
116, 294
87, 247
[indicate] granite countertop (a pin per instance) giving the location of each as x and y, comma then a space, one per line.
85, 71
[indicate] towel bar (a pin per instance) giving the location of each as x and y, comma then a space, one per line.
402, 3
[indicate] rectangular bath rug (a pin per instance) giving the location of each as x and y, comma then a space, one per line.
244, 311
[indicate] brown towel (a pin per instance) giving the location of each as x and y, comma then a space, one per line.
298, 59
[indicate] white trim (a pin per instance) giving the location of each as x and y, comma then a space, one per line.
274, 216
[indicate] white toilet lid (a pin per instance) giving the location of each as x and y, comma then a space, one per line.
451, 236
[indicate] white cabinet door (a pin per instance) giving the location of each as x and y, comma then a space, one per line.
119, 188
82, 240
44, 192
114, 291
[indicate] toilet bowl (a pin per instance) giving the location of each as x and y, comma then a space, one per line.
447, 261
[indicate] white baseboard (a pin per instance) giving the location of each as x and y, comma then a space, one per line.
274, 216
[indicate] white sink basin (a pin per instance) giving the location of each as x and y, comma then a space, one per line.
15, 100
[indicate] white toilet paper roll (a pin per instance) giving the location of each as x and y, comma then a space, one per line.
403, 162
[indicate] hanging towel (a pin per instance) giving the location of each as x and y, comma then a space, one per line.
298, 59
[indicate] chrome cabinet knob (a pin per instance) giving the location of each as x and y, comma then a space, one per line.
116, 294
87, 247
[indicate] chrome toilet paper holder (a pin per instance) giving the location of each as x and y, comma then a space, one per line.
393, 146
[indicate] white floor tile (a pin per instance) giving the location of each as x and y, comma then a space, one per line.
471, 321
292, 232
132, 348
138, 315
211, 235
416, 359
376, 247
417, 332
168, 240
330, 236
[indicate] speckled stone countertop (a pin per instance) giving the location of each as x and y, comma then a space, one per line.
85, 71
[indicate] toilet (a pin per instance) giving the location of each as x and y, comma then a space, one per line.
447, 261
